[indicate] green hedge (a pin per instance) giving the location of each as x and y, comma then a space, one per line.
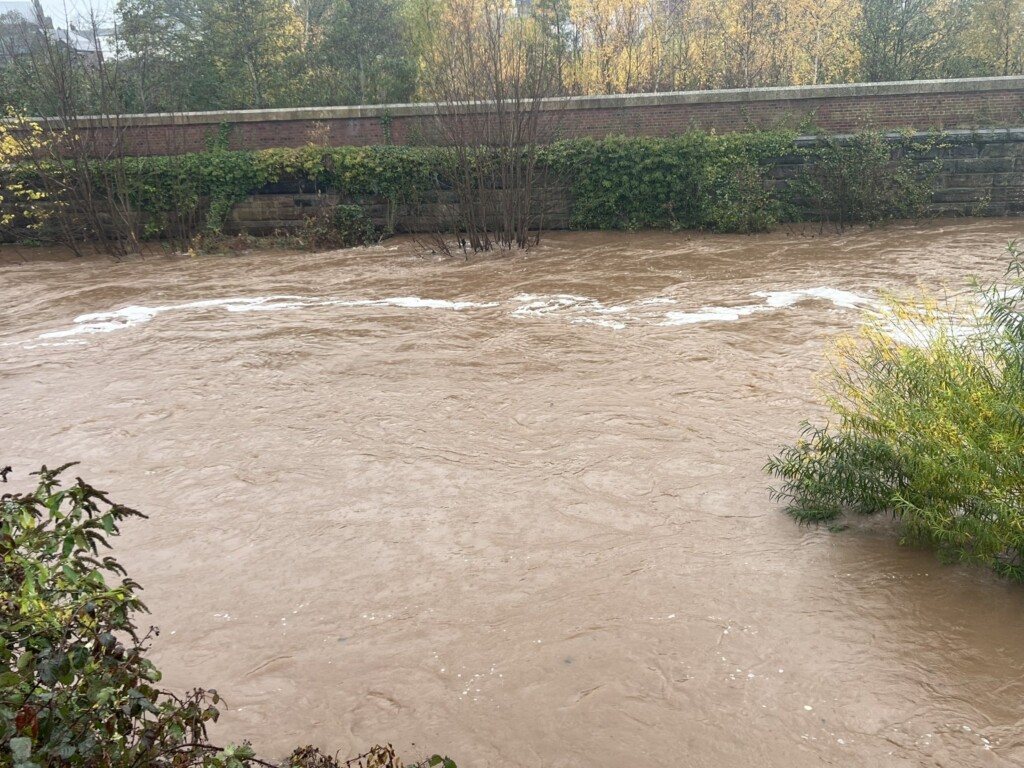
693, 181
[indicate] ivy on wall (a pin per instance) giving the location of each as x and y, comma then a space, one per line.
720, 183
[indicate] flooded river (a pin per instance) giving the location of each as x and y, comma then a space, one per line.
512, 508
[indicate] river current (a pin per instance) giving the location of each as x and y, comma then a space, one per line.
512, 508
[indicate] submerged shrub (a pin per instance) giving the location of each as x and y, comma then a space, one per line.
338, 226
927, 425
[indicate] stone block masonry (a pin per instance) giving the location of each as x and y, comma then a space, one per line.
923, 105
980, 173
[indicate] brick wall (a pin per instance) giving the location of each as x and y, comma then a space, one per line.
925, 105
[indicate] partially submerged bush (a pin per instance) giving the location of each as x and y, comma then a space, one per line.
75, 686
378, 757
928, 425
338, 226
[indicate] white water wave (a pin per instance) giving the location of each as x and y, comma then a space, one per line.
127, 317
711, 314
601, 321
569, 307
843, 299
773, 300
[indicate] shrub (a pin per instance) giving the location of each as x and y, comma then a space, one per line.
868, 178
928, 425
338, 226
75, 686
693, 181
22, 206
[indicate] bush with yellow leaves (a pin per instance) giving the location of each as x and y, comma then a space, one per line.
927, 424
20, 205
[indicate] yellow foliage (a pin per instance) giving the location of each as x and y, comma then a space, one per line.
19, 139
996, 37
480, 50
621, 45
636, 46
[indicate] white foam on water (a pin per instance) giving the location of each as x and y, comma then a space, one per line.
544, 304
55, 344
414, 302
603, 322
84, 328
271, 305
920, 333
581, 310
773, 300
577, 309
711, 314
126, 317
656, 300
844, 299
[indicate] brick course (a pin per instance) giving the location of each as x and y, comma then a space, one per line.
925, 105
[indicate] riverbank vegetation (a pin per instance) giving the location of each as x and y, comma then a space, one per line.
926, 424
496, 175
719, 183
21, 204
76, 687
178, 55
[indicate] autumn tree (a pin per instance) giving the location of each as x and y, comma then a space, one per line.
554, 20
996, 38
909, 39
364, 44
489, 90
825, 49
620, 49
253, 46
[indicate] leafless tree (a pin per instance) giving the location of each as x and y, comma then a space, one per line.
489, 66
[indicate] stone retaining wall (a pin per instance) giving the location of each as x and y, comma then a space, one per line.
981, 173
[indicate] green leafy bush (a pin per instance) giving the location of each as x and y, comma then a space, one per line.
868, 178
378, 757
928, 425
75, 686
693, 181
338, 226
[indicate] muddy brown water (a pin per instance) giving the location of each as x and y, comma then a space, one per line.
512, 509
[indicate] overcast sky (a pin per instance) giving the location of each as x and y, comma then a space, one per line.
55, 9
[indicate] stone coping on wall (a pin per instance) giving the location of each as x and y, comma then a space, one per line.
747, 95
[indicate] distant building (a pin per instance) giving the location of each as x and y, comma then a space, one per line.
21, 27
80, 44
